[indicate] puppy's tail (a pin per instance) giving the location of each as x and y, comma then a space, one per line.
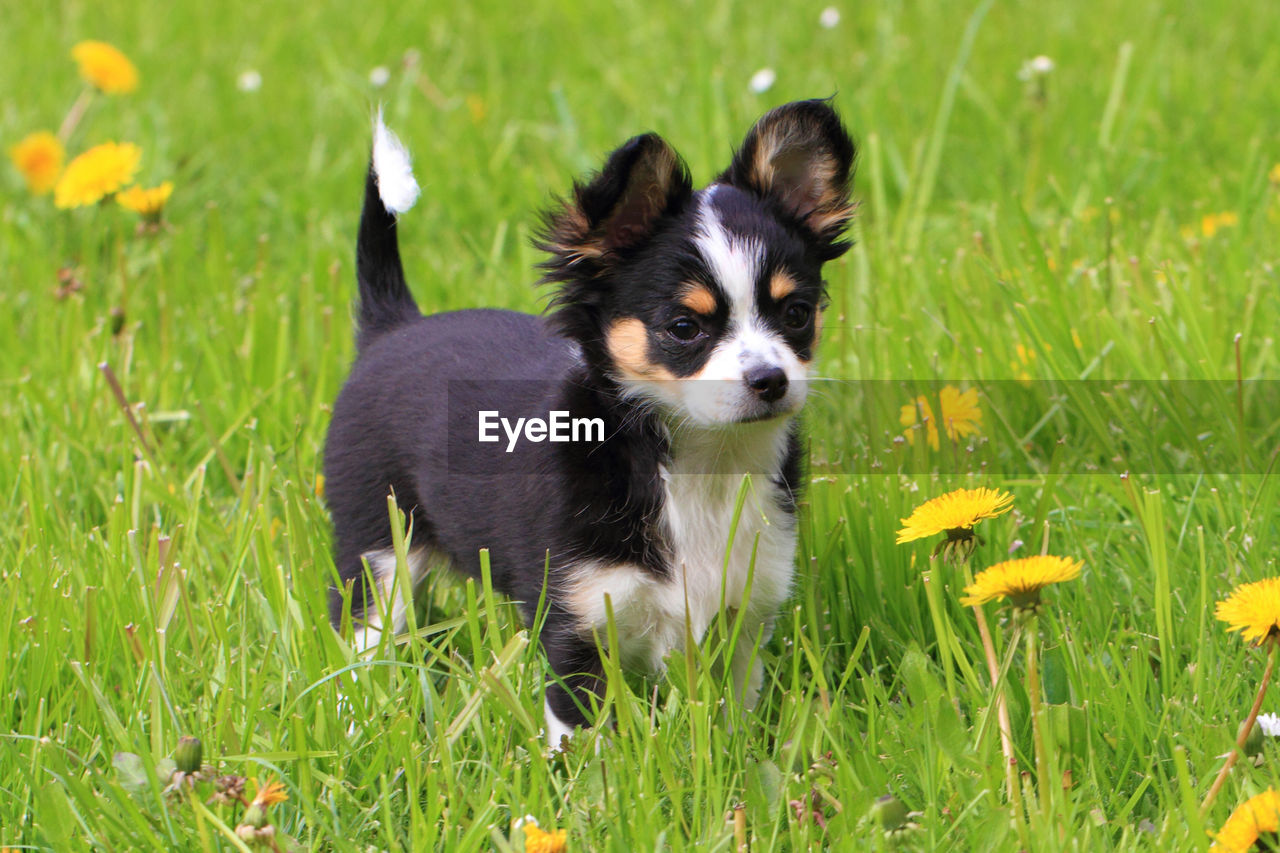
389, 189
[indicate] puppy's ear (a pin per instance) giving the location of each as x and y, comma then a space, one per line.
800, 157
618, 208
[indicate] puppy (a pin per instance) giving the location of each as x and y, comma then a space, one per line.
680, 336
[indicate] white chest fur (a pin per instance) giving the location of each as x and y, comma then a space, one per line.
744, 567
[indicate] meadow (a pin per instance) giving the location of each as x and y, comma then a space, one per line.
1108, 213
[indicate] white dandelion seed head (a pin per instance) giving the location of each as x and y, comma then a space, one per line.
1037, 66
249, 81
829, 18
378, 77
762, 81
1270, 724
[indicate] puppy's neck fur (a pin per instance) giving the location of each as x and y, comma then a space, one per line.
747, 448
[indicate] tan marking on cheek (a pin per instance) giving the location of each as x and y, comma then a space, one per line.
699, 299
781, 286
628, 343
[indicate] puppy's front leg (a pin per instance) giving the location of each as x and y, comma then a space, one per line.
579, 678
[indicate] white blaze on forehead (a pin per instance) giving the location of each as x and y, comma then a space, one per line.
737, 264
734, 262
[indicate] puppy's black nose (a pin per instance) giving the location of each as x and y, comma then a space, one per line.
769, 383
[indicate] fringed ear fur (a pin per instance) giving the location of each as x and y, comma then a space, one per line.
618, 208
614, 211
800, 156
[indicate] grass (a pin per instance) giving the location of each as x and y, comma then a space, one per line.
1052, 231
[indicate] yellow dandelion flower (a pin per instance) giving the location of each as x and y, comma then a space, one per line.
1274, 174
105, 67
954, 514
146, 202
97, 173
1020, 580
1256, 817
538, 840
270, 793
960, 415
1211, 223
1253, 609
39, 158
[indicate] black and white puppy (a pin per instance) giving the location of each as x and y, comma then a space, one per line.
683, 328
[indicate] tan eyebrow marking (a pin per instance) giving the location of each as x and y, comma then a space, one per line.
699, 299
781, 286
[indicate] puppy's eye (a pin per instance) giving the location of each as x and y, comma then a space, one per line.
683, 329
797, 316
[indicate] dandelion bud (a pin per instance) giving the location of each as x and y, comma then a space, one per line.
1253, 743
890, 812
255, 816
189, 755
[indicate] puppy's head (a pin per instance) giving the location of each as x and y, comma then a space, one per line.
706, 304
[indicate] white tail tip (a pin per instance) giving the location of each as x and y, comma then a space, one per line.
396, 185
